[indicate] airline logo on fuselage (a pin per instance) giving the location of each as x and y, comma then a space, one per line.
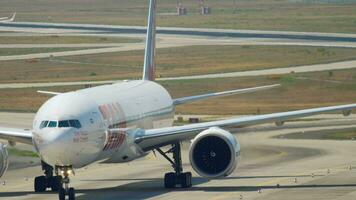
115, 116
114, 140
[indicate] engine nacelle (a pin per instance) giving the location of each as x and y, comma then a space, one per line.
214, 153
4, 159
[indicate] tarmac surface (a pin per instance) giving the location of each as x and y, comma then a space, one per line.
269, 168
117, 29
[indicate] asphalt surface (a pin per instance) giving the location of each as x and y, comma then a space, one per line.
163, 41
104, 29
269, 168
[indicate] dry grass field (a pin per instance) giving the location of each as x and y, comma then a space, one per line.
298, 91
23, 51
347, 134
170, 62
27, 100
246, 14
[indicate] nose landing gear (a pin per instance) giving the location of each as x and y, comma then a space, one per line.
48, 180
65, 171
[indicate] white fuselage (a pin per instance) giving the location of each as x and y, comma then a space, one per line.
109, 115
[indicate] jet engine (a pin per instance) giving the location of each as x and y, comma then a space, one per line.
214, 153
4, 159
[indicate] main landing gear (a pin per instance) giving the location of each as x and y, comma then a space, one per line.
70, 192
172, 179
48, 180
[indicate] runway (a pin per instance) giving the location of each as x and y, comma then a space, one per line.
269, 168
116, 29
163, 41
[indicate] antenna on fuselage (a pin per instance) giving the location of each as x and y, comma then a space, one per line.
149, 62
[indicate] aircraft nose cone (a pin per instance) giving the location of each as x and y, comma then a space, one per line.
59, 148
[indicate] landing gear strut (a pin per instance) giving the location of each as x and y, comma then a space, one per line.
48, 180
177, 177
65, 172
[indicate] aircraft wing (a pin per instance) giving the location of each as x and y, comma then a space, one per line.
16, 135
8, 19
184, 100
153, 138
48, 92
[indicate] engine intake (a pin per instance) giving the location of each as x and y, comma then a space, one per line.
4, 159
214, 153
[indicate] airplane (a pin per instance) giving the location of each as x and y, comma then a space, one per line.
124, 121
8, 19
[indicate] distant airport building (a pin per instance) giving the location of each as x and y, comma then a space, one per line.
205, 10
180, 9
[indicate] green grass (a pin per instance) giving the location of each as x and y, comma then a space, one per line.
54, 39
341, 136
247, 14
22, 153
288, 80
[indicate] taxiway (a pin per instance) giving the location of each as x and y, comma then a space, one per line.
269, 168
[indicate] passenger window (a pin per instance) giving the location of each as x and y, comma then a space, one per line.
75, 123
52, 124
64, 123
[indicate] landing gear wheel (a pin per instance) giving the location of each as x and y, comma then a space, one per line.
64, 180
186, 180
177, 177
40, 184
71, 194
169, 180
61, 194
55, 183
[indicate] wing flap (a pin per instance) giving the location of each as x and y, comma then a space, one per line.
189, 99
161, 136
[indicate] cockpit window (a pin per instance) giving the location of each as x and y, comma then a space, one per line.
69, 123
52, 124
43, 124
75, 123
63, 123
